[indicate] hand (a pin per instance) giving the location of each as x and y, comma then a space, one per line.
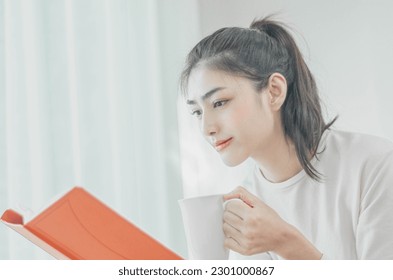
252, 227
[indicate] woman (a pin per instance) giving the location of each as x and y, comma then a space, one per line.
315, 193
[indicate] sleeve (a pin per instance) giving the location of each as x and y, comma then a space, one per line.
374, 233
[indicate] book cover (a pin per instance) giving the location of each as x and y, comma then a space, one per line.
79, 226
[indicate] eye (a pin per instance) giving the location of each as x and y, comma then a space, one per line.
219, 103
197, 113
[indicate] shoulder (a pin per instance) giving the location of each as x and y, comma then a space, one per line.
359, 144
358, 157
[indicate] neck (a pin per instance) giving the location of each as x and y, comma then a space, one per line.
279, 163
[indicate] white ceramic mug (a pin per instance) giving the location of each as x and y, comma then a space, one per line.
202, 218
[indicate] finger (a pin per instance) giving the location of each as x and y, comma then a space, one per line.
232, 244
231, 232
226, 202
234, 194
237, 207
243, 194
232, 218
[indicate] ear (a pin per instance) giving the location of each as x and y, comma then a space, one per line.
277, 90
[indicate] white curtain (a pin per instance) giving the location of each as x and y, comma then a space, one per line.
88, 93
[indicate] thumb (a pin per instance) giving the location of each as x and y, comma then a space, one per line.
244, 195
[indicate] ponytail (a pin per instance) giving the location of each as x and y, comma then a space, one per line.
256, 53
301, 113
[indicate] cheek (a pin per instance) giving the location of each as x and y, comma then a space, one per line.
238, 116
254, 125
250, 117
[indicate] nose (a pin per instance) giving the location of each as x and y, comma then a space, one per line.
208, 125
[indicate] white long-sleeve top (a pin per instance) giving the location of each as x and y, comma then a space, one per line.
349, 215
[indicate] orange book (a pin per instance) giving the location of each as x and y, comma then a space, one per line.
79, 226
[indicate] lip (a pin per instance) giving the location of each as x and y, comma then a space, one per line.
220, 145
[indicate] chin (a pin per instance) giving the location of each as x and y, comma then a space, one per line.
232, 162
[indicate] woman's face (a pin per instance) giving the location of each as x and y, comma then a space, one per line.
233, 117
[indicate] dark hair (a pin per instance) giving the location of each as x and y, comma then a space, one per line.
256, 53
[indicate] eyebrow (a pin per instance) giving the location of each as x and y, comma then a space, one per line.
206, 95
